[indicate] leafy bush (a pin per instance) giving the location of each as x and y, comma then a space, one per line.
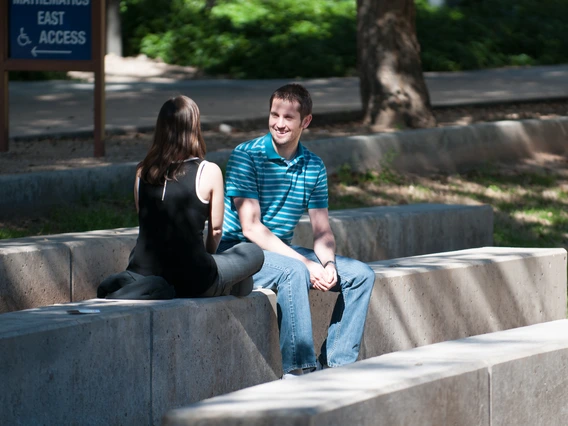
478, 34
288, 38
247, 38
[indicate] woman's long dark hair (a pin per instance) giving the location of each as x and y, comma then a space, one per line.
176, 138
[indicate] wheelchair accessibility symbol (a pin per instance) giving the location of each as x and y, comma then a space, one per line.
23, 38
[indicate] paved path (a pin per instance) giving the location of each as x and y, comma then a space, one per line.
66, 107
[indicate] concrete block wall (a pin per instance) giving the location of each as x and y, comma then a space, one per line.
513, 377
135, 360
41, 191
39, 271
377, 233
445, 149
130, 363
427, 299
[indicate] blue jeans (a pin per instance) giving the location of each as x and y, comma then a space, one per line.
290, 279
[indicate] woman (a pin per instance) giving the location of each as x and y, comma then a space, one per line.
176, 192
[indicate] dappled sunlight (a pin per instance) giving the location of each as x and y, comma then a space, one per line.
529, 197
372, 388
426, 299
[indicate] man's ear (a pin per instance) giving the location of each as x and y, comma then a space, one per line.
306, 121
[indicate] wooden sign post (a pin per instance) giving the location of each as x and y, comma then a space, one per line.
53, 35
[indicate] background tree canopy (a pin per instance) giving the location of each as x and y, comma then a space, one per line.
245, 38
288, 38
317, 38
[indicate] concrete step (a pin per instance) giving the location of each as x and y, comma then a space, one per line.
134, 360
40, 271
514, 377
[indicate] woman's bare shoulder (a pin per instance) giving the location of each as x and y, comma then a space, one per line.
211, 169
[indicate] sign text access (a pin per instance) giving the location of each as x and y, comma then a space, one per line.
50, 29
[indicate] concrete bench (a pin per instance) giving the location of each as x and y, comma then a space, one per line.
134, 360
40, 271
514, 377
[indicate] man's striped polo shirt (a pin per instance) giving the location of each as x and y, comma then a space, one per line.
284, 189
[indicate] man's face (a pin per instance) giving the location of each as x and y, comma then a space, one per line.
285, 123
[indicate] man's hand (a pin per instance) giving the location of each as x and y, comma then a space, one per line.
322, 278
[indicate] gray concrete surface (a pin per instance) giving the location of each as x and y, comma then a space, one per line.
452, 149
427, 299
66, 107
33, 193
513, 377
386, 232
39, 271
445, 149
133, 361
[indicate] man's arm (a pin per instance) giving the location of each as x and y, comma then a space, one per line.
254, 230
324, 244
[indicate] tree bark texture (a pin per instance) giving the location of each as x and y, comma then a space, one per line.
393, 91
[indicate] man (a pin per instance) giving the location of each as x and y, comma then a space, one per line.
270, 182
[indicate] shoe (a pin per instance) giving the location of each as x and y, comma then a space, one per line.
320, 366
294, 374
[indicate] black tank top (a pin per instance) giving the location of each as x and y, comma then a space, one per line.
170, 240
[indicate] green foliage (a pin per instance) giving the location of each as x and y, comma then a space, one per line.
317, 38
246, 38
529, 207
108, 212
287, 38
492, 33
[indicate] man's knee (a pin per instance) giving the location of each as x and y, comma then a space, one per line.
369, 274
296, 270
280, 271
361, 273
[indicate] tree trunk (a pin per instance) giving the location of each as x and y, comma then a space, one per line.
393, 91
113, 28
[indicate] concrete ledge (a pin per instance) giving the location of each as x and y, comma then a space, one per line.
514, 377
63, 369
132, 361
63, 268
29, 193
377, 233
427, 299
447, 149
39, 271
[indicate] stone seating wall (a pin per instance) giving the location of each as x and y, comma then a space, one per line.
40, 271
133, 361
513, 377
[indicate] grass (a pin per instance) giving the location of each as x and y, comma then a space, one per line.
529, 203
87, 215
530, 206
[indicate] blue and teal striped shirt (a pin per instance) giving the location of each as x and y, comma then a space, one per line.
284, 189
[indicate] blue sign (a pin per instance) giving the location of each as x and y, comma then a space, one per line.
50, 29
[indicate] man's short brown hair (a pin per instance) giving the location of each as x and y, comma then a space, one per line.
294, 92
